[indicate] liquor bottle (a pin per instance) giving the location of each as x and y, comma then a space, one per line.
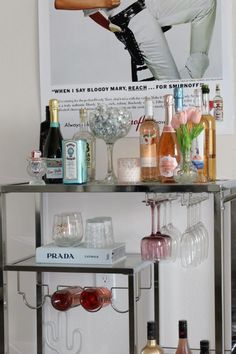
179, 99
149, 138
93, 299
64, 299
218, 104
53, 146
84, 133
183, 346
199, 150
151, 347
44, 128
204, 347
169, 153
210, 135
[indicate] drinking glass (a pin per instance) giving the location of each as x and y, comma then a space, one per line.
95, 234
202, 228
67, 229
169, 229
156, 246
108, 229
110, 124
192, 246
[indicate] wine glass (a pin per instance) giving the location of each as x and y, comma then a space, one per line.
155, 246
171, 230
110, 124
166, 236
67, 229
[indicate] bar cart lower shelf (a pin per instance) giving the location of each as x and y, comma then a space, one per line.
222, 192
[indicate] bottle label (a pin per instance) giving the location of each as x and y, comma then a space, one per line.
89, 157
54, 168
148, 151
197, 151
148, 162
218, 110
167, 165
70, 158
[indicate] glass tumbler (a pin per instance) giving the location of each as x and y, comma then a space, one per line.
108, 229
68, 229
95, 234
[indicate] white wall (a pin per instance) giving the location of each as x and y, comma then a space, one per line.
19, 97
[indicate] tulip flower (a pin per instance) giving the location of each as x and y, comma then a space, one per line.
188, 126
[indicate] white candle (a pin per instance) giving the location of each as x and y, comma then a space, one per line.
128, 170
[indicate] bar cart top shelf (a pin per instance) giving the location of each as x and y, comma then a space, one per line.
151, 187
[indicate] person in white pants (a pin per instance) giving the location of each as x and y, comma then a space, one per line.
147, 25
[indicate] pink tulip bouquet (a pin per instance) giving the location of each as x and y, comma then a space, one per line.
188, 127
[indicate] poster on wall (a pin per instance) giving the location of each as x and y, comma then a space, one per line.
118, 56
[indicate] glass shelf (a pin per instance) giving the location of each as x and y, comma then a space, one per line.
104, 188
130, 265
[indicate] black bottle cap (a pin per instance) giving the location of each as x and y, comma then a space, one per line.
182, 329
205, 88
204, 344
47, 113
151, 330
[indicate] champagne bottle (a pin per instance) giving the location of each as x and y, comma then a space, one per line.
183, 346
204, 347
151, 347
149, 138
53, 146
169, 153
44, 128
93, 299
66, 298
84, 133
210, 135
218, 104
199, 154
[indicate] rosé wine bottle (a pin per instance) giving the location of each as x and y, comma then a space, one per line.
168, 151
149, 138
64, 299
93, 299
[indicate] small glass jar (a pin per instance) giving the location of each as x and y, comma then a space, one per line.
36, 168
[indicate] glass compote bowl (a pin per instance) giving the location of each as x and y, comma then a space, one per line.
110, 124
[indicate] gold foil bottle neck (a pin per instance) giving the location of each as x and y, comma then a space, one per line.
53, 104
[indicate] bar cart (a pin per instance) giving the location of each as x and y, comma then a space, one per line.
224, 194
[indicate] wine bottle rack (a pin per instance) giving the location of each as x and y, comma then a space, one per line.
46, 293
222, 192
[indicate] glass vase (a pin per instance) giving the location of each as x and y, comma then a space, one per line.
185, 172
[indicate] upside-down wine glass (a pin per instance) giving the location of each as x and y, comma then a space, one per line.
171, 230
156, 246
110, 124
